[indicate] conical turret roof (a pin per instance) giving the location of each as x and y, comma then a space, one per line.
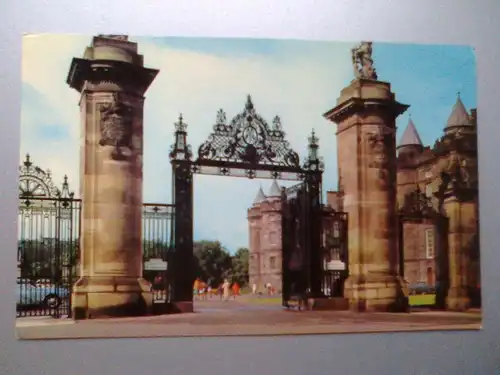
459, 115
260, 197
410, 136
275, 190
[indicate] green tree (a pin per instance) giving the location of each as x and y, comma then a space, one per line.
240, 266
212, 262
154, 249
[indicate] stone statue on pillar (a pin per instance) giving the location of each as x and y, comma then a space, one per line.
365, 115
363, 62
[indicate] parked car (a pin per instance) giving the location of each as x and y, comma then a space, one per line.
43, 282
49, 296
421, 288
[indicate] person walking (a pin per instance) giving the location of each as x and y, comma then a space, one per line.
236, 290
226, 290
196, 287
254, 289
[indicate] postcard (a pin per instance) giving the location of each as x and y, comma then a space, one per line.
176, 186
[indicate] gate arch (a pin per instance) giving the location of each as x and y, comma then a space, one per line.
246, 146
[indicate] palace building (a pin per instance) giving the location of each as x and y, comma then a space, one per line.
419, 169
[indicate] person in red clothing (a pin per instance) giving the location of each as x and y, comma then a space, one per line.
236, 290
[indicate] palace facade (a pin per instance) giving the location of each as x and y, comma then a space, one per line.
419, 168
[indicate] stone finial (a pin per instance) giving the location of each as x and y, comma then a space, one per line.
410, 136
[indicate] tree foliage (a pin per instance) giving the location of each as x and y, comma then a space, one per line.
212, 262
240, 266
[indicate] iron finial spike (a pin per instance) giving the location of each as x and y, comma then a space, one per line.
249, 104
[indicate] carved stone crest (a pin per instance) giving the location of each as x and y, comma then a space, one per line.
416, 204
363, 62
116, 126
379, 142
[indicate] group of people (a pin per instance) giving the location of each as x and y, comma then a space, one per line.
267, 286
203, 290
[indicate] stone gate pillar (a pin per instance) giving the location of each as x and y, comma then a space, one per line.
365, 114
112, 81
460, 206
461, 230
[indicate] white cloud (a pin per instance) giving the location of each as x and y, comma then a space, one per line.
197, 84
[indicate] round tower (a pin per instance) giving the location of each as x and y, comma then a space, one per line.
459, 121
410, 145
271, 246
254, 230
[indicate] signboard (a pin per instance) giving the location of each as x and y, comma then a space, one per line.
155, 264
335, 265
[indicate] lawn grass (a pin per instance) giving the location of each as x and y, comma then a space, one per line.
265, 300
416, 300
422, 300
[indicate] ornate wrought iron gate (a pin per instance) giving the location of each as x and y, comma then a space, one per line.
48, 243
49, 247
299, 272
247, 147
157, 227
295, 253
336, 254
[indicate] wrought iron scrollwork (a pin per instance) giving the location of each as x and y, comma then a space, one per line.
248, 139
459, 179
35, 182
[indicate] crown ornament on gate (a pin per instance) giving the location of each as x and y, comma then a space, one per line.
180, 150
248, 139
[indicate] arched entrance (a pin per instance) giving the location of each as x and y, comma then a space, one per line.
247, 146
417, 211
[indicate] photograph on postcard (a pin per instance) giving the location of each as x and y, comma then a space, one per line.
173, 186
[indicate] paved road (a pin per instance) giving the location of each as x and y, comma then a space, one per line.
234, 318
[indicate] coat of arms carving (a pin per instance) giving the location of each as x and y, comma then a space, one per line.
116, 126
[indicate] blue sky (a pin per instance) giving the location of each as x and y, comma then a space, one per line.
298, 80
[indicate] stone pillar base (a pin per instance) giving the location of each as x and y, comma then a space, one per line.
334, 303
457, 300
374, 293
182, 307
107, 296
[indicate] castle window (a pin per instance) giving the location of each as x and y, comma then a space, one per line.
272, 262
429, 243
273, 238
